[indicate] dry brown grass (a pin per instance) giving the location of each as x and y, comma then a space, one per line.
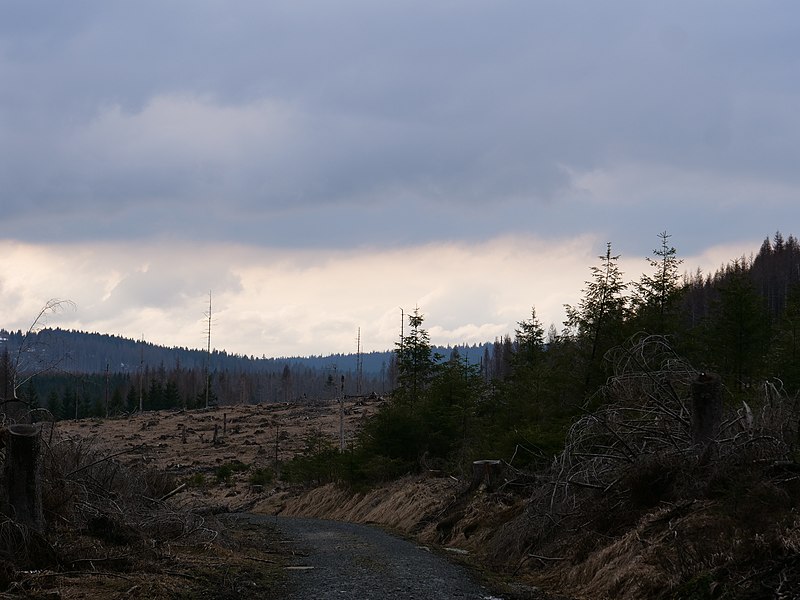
120, 522
181, 443
240, 563
405, 505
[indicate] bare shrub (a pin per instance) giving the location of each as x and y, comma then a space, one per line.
24, 546
93, 491
97, 510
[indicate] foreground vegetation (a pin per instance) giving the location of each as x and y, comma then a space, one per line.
593, 424
111, 531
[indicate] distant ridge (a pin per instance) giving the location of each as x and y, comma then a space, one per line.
83, 352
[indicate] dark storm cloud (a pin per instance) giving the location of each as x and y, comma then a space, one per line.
319, 123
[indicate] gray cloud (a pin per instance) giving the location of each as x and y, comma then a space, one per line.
317, 123
163, 283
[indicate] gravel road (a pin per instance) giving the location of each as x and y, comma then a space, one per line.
342, 560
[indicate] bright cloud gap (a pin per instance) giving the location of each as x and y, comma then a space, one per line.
279, 303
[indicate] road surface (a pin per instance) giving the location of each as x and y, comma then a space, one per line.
335, 560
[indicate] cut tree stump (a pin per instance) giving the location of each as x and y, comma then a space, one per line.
23, 479
486, 472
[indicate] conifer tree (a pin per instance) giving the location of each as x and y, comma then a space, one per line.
30, 395
448, 413
786, 348
156, 395
598, 321
656, 296
529, 340
54, 405
117, 404
739, 327
69, 404
415, 360
171, 397
132, 399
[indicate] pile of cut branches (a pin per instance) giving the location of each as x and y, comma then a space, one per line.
632, 468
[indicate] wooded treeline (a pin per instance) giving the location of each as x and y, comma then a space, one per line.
742, 322
82, 352
77, 374
110, 394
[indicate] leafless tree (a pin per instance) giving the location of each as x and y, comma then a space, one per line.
29, 359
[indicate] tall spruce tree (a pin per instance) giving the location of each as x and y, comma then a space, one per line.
598, 321
656, 295
529, 341
415, 361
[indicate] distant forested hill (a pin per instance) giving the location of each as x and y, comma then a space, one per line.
86, 353
74, 373
81, 352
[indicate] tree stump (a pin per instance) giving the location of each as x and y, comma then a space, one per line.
23, 479
486, 472
706, 393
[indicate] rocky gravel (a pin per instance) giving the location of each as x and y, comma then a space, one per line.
333, 560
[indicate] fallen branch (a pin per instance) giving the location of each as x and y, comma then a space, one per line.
546, 558
263, 560
101, 460
79, 574
94, 560
180, 488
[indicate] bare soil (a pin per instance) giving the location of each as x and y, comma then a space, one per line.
193, 445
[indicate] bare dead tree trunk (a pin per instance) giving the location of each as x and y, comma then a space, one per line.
23, 479
277, 439
706, 410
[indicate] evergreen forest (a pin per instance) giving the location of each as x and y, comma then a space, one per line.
741, 322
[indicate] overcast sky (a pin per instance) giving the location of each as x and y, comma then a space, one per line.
318, 165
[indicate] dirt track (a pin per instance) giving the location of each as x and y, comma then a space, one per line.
344, 560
